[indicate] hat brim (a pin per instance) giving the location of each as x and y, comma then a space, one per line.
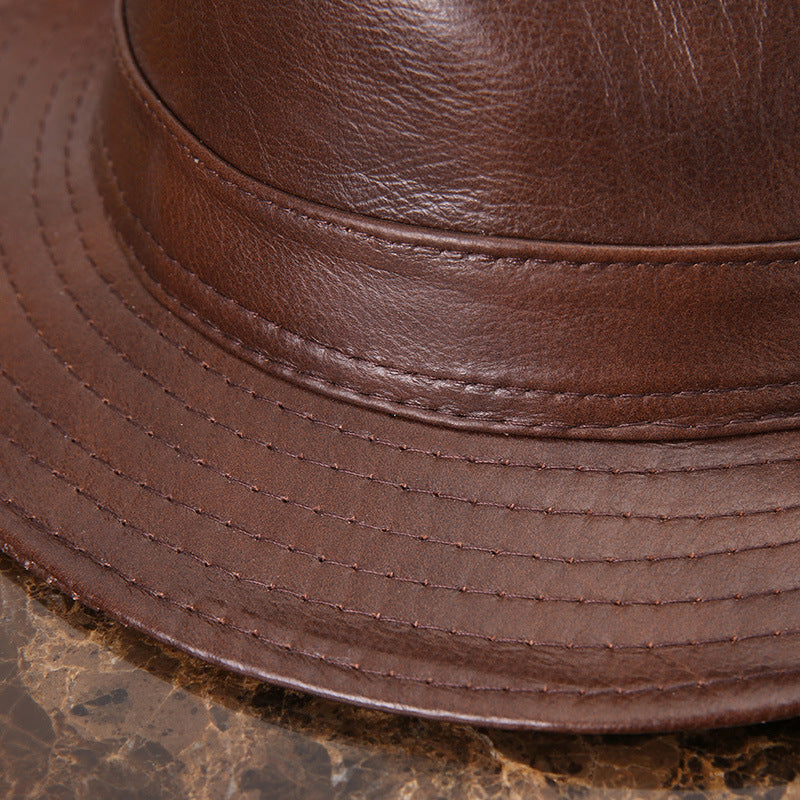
510, 581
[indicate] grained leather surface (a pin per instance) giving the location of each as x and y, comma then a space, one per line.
670, 122
489, 333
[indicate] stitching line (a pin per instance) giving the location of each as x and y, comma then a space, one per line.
404, 487
354, 567
489, 388
162, 597
436, 494
349, 520
127, 417
416, 624
335, 467
669, 422
365, 436
371, 438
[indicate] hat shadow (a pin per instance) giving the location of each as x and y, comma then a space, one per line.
102, 701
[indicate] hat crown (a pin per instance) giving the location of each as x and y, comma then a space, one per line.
647, 124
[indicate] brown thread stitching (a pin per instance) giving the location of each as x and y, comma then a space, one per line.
349, 520
160, 596
228, 429
22, 77
268, 445
322, 559
270, 586
370, 478
370, 437
669, 422
403, 487
436, 494
487, 387
548, 510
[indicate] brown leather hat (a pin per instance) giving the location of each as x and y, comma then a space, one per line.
437, 357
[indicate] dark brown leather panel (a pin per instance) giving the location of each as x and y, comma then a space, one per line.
671, 123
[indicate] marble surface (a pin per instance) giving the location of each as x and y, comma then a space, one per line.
89, 709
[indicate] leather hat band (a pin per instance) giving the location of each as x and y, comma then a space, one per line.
479, 332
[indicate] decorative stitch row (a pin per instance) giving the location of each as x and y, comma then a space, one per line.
281, 330
354, 567
161, 596
364, 436
403, 487
444, 410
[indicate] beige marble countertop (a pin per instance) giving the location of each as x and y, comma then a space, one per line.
90, 709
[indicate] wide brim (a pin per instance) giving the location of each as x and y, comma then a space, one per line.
510, 581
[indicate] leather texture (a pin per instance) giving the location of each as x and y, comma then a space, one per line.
663, 123
357, 548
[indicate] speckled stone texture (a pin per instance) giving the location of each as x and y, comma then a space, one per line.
89, 709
